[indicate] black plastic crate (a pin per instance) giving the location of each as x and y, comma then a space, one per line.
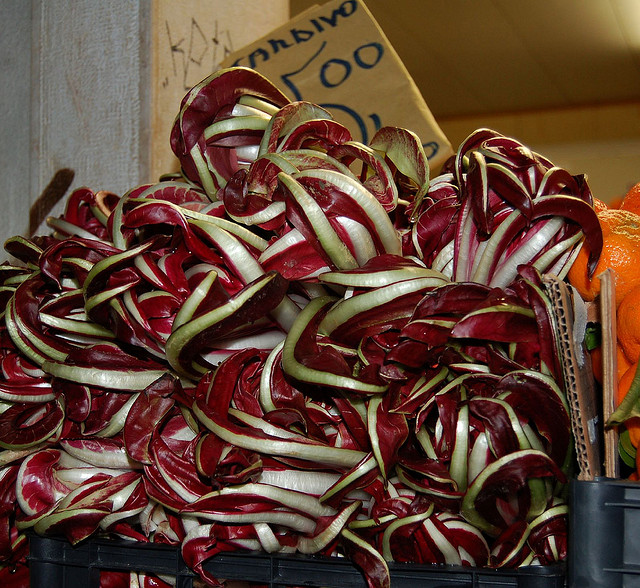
54, 563
604, 534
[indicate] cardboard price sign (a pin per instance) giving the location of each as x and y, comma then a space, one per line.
337, 56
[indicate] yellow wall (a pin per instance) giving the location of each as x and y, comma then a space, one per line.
602, 142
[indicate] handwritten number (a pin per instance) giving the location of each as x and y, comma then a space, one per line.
362, 127
340, 63
431, 148
286, 77
334, 72
360, 53
375, 119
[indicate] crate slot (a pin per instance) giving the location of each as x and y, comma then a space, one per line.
55, 563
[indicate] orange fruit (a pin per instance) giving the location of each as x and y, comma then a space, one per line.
631, 200
623, 361
597, 366
625, 382
628, 324
615, 202
620, 251
596, 363
599, 205
632, 424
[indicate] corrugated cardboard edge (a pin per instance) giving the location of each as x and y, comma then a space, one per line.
571, 314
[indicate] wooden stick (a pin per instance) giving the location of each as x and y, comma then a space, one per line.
610, 369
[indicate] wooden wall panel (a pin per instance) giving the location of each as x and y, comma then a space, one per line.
600, 141
93, 86
15, 43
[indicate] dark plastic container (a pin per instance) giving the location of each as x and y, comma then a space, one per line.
54, 563
604, 534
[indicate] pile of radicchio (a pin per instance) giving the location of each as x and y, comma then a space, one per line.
297, 344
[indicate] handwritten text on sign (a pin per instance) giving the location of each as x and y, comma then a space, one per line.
337, 56
189, 40
195, 55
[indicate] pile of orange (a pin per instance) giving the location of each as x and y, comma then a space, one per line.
620, 225
620, 250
